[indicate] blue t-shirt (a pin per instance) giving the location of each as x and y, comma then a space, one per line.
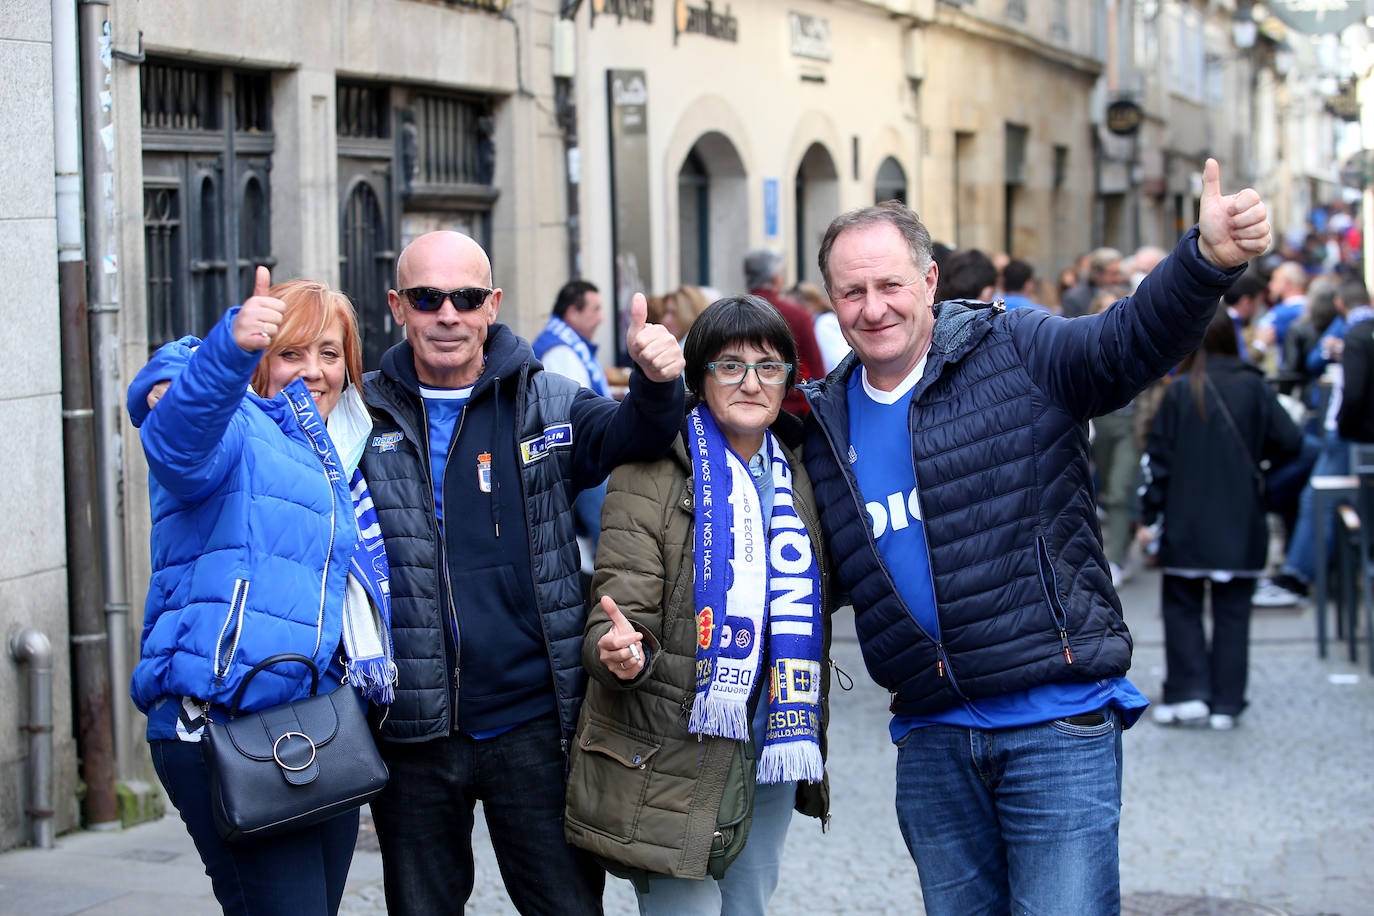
444, 408
881, 456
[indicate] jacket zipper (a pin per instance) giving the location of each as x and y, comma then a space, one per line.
941, 656
329, 551
443, 551
529, 541
1051, 589
235, 619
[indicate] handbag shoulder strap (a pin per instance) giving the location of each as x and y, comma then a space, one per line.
266, 663
1235, 430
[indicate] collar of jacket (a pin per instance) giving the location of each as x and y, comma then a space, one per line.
959, 325
508, 355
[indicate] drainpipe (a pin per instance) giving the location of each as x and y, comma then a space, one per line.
102, 296
565, 112
30, 647
90, 671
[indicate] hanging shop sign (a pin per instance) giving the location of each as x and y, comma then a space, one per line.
1124, 117
704, 20
632, 233
1318, 17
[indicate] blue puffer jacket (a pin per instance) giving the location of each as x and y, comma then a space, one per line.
253, 528
1000, 448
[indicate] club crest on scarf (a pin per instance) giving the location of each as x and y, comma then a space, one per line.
756, 587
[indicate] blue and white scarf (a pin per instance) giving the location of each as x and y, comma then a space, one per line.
748, 578
367, 595
558, 331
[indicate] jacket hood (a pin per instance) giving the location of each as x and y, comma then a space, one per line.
507, 355
167, 363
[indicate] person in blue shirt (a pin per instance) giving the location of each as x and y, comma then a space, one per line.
476, 456
1018, 280
949, 458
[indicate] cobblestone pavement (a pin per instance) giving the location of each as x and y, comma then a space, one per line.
1276, 817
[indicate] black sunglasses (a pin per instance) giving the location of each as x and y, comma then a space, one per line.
429, 299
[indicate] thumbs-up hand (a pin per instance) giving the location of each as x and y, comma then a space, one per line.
1232, 228
652, 346
619, 648
258, 320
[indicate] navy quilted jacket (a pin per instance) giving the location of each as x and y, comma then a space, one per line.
1000, 449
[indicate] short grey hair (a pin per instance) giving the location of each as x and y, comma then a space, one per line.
894, 212
1100, 259
760, 267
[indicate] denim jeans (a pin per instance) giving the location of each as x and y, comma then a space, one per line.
424, 822
1302, 556
1215, 675
296, 874
750, 880
1016, 820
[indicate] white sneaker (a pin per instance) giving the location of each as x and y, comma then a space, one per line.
1118, 575
1222, 722
1189, 712
1270, 594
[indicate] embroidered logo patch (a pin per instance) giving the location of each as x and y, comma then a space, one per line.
387, 442
559, 435
797, 680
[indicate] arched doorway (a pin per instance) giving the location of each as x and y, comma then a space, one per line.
890, 182
713, 215
817, 203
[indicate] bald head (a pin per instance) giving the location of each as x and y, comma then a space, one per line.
447, 342
444, 250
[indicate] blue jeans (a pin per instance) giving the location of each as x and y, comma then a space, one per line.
295, 874
750, 880
1017, 820
424, 823
1302, 556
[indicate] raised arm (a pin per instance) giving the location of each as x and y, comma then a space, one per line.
1096, 363
191, 440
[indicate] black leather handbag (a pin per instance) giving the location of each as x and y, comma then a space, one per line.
293, 765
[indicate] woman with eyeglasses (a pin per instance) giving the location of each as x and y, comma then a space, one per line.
708, 653
264, 542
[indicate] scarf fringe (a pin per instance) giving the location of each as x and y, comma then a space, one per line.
375, 678
791, 762
724, 720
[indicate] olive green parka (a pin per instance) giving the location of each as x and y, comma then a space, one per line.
644, 793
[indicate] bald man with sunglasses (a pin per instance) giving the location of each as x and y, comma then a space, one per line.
475, 457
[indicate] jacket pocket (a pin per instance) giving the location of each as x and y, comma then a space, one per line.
1050, 584
227, 646
609, 779
736, 814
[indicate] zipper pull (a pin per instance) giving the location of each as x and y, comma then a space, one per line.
841, 676
940, 666
456, 670
1064, 641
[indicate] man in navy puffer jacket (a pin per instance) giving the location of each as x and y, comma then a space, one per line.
475, 459
949, 456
